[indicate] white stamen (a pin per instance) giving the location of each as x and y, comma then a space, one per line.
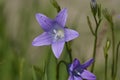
54, 31
58, 34
77, 72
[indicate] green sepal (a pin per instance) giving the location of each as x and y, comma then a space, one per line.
55, 4
90, 25
99, 11
108, 16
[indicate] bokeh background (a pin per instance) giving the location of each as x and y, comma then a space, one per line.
18, 27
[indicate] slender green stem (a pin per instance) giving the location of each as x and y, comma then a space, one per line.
117, 51
69, 50
109, 18
106, 62
90, 26
94, 53
113, 51
95, 42
21, 68
51, 65
56, 5
95, 20
58, 66
33, 73
106, 48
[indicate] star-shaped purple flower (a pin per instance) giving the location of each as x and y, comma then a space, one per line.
56, 34
78, 71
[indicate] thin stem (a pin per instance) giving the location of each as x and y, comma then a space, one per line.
117, 51
95, 42
95, 20
21, 68
90, 26
106, 62
56, 5
58, 66
94, 53
69, 51
51, 65
113, 51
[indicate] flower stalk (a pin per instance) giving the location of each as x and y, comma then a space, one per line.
63, 16
113, 50
58, 67
21, 68
96, 12
117, 51
109, 18
69, 50
106, 48
56, 5
78, 71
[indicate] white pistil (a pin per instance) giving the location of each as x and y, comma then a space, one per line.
77, 72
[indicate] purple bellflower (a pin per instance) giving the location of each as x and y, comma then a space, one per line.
78, 71
55, 33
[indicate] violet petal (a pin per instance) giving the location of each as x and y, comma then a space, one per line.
44, 21
62, 17
70, 78
87, 63
88, 75
70, 34
57, 48
43, 39
77, 78
76, 63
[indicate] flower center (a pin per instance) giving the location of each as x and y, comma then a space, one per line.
58, 34
77, 71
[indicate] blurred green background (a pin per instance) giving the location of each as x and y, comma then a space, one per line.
18, 27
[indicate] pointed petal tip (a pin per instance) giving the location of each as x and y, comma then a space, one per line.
76, 60
87, 63
70, 77
77, 34
43, 39
57, 48
45, 22
92, 60
37, 15
70, 34
62, 17
64, 10
34, 43
57, 54
88, 75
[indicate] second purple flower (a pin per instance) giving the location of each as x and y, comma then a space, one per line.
78, 71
